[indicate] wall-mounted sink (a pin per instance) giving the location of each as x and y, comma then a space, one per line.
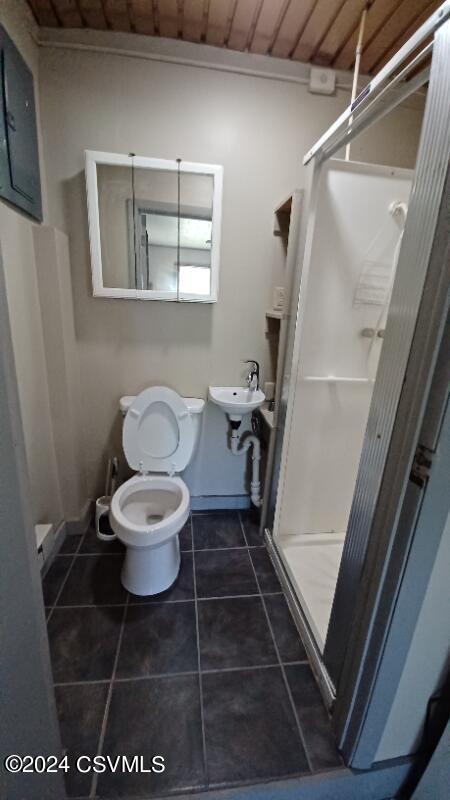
236, 401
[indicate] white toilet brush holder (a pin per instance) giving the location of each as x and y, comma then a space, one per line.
102, 506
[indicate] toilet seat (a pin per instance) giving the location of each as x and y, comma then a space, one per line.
149, 510
144, 493
158, 434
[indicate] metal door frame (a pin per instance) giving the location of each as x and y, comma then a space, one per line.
397, 406
374, 665
413, 335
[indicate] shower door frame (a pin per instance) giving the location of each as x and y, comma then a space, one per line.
350, 661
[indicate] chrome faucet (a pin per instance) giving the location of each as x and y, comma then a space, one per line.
253, 375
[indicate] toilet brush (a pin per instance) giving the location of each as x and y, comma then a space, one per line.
103, 504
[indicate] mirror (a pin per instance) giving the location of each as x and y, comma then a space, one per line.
154, 227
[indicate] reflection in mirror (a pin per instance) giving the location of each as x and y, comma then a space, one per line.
115, 188
173, 250
147, 240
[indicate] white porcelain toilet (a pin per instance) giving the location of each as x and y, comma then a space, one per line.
160, 434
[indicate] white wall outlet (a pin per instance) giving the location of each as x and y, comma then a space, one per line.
278, 297
322, 81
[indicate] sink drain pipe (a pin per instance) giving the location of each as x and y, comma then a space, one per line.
255, 485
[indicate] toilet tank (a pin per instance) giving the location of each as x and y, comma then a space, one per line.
195, 406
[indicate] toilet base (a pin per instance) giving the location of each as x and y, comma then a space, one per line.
151, 570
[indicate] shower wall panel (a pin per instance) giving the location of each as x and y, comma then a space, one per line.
348, 288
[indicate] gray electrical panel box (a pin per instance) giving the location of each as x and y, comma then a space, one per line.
20, 182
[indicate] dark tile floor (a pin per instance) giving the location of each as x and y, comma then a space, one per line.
210, 674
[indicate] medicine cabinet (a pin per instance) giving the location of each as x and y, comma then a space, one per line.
154, 227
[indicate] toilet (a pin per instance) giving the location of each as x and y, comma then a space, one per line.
160, 434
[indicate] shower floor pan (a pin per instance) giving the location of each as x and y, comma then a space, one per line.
312, 561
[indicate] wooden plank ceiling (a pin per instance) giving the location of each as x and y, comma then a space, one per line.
321, 32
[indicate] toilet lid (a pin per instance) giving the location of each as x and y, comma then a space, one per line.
158, 434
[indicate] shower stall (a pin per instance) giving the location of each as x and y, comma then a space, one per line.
359, 221
364, 332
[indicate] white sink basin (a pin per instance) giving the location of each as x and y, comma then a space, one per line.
235, 400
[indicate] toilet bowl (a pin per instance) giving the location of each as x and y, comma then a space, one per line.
148, 511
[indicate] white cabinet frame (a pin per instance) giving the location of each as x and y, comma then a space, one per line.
94, 157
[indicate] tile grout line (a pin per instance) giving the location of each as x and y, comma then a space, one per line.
162, 602
200, 682
74, 555
102, 605
243, 529
101, 740
233, 547
92, 555
197, 549
100, 682
158, 675
283, 672
192, 534
288, 689
243, 668
136, 678
233, 596
261, 546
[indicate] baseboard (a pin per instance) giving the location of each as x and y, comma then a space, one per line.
219, 502
57, 538
60, 535
67, 527
80, 524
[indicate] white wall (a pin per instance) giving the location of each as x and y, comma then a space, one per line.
258, 129
16, 240
38, 287
63, 373
16, 236
354, 233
